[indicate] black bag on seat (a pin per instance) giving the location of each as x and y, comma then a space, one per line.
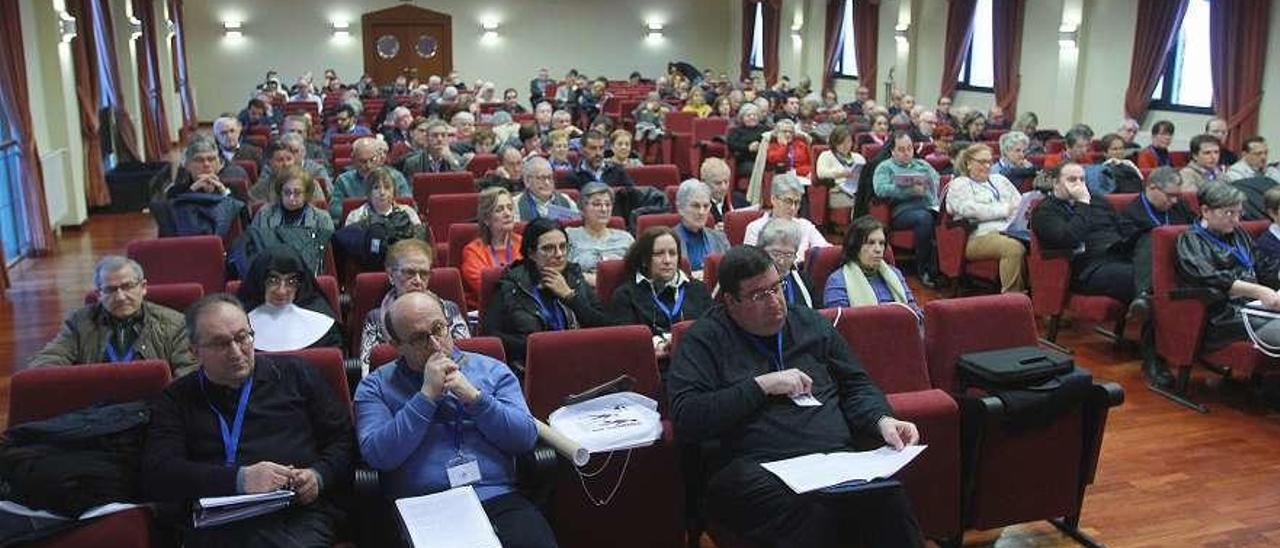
1018, 367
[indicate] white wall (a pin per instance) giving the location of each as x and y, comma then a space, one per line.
599, 38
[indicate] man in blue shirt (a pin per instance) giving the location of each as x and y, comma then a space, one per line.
439, 418
367, 154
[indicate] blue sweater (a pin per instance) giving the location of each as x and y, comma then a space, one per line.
410, 438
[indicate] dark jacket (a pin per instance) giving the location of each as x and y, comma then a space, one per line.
1135, 220
83, 339
1204, 263
1060, 224
513, 313
740, 139
633, 303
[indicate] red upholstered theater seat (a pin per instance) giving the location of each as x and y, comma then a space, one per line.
951, 237
609, 275
482, 164
1049, 273
328, 362
736, 221
658, 176
448, 209
250, 167
488, 284
351, 204
704, 130
426, 185
199, 259
175, 296
367, 291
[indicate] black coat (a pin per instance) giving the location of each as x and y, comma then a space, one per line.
1203, 263
512, 314
632, 303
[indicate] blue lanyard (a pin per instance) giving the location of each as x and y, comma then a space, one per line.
995, 192
1151, 213
115, 357
791, 156
554, 316
788, 289
673, 311
776, 360
533, 206
1240, 252
493, 253
231, 436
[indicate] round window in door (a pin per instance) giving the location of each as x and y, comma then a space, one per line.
387, 46
426, 46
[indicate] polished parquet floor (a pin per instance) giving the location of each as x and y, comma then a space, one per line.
1168, 476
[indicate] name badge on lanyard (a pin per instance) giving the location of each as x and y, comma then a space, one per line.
802, 400
230, 435
673, 311
463, 468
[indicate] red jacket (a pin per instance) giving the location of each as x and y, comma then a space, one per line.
798, 158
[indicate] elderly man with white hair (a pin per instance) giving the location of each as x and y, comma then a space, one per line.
227, 131
396, 128
540, 198
786, 193
693, 201
367, 154
715, 173
464, 130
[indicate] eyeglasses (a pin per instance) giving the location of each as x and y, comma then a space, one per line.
789, 200
241, 339
125, 287
292, 280
982, 161
765, 293
780, 255
411, 273
293, 193
423, 339
1233, 212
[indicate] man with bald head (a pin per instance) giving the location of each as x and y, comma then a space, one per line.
438, 418
246, 424
367, 154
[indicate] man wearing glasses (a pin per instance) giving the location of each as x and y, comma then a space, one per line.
367, 154
246, 424
772, 382
121, 326
439, 418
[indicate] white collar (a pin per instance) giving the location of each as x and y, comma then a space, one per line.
681, 278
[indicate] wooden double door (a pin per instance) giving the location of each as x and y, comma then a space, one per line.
407, 40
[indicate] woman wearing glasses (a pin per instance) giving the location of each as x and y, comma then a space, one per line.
541, 292
866, 279
287, 311
786, 194
409, 271
594, 241
988, 201
781, 240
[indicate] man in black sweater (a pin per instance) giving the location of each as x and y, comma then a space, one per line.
1071, 219
736, 378
246, 424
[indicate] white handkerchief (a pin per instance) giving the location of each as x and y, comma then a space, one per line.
806, 400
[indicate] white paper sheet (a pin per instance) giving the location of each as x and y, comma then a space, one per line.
812, 472
448, 519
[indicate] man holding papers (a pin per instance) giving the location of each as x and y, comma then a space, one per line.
773, 383
439, 418
911, 187
245, 424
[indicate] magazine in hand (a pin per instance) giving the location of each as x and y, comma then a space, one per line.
906, 180
849, 185
212, 511
1020, 226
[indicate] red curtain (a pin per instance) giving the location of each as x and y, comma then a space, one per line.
15, 101
748, 33
155, 125
181, 76
772, 17
95, 184
110, 72
1158, 22
959, 36
1006, 26
866, 30
1238, 53
831, 42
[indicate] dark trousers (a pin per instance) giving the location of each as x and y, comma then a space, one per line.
1142, 264
1112, 277
749, 501
518, 522
920, 221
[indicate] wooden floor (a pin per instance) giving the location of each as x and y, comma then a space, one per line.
1168, 476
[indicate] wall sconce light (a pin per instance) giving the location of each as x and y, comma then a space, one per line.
233, 29
1068, 37
489, 29
900, 34
135, 28
341, 29
66, 27
653, 31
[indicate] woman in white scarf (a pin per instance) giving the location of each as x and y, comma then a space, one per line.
866, 279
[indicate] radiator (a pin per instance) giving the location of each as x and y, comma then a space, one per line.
57, 185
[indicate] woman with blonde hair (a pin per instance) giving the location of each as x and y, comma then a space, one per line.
989, 201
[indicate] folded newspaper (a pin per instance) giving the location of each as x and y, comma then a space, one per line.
213, 511
612, 422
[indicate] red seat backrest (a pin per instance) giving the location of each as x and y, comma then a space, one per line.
645, 222
822, 261
426, 185
328, 362
446, 281
447, 209
1120, 201
560, 363
972, 324
659, 176
886, 340
328, 286
199, 259
366, 294
461, 234
707, 128
482, 164
736, 221
488, 285
36, 394
679, 122
710, 269
609, 275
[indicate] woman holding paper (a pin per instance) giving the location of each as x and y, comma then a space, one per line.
989, 202
839, 166
866, 279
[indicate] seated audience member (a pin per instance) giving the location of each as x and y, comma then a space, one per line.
437, 157
367, 155
744, 139
396, 128
202, 170
1253, 163
620, 152
1157, 154
498, 245
1157, 205
300, 125
866, 279
347, 124
122, 326
483, 141
563, 120
1077, 150
655, 292
1070, 218
409, 271
1128, 131
540, 198
464, 131
944, 148
1217, 127
715, 173
286, 151
972, 128
723, 108
787, 192
1203, 166
1268, 243
838, 164
779, 239
509, 174
415, 416
729, 383
228, 133
511, 102
1013, 163
1028, 124
542, 291
788, 152
879, 134
558, 149
922, 131
1117, 173
697, 104
990, 202
382, 202
305, 92
697, 240
257, 112
290, 432
593, 167
1218, 254
996, 118
942, 111
542, 117
292, 210
594, 241
286, 308
530, 142
910, 185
